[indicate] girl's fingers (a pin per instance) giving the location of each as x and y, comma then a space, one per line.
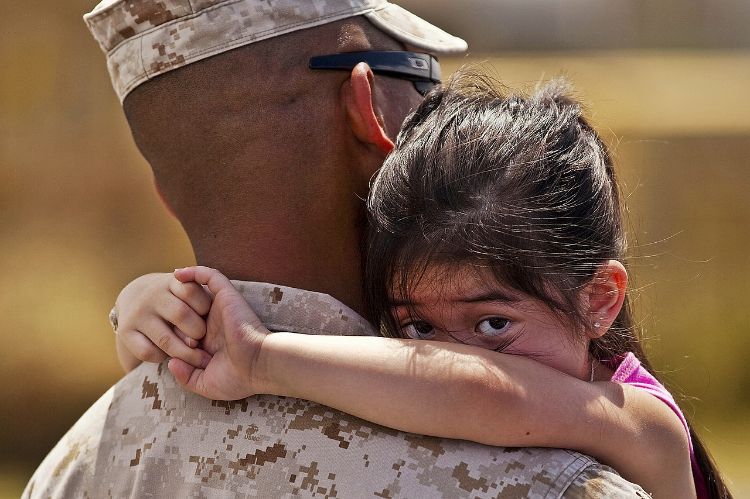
185, 274
181, 370
188, 376
215, 280
190, 342
193, 294
165, 338
141, 347
223, 290
182, 316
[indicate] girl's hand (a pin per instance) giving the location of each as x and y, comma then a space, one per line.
160, 317
234, 338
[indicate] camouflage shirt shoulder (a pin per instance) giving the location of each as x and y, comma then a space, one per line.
148, 437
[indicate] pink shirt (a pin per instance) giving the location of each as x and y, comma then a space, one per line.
631, 372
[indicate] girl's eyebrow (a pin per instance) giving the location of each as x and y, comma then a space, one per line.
489, 296
485, 296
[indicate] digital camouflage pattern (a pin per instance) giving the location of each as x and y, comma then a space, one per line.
147, 437
145, 38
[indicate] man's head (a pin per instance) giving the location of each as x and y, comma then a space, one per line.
248, 144
257, 119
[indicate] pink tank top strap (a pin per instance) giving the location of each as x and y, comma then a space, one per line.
629, 371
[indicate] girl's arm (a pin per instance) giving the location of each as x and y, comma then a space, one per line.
463, 392
442, 389
160, 317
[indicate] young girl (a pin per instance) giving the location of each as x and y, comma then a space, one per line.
496, 238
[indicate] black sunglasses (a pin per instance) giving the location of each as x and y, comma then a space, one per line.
422, 69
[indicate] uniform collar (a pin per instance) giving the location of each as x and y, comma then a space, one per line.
282, 308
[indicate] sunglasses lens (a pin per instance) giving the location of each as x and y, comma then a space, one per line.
423, 87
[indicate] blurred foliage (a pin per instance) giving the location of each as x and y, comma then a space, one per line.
80, 219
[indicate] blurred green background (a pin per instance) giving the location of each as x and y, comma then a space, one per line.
665, 81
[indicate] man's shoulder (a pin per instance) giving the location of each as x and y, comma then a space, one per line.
146, 436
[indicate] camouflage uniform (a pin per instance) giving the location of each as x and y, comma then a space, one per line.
148, 437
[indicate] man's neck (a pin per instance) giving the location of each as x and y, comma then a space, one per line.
327, 259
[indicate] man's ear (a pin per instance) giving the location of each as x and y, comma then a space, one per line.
605, 295
358, 99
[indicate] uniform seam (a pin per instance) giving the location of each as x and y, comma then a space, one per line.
580, 460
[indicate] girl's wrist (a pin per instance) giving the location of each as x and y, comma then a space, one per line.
268, 373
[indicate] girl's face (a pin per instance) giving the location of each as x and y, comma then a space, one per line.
468, 306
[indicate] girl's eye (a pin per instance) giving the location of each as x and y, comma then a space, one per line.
418, 330
494, 326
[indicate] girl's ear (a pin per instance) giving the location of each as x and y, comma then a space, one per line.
605, 295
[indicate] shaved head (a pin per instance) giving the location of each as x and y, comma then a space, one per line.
254, 154
214, 124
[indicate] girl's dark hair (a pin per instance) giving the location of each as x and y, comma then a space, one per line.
521, 186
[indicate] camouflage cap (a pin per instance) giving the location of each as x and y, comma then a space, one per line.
145, 38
